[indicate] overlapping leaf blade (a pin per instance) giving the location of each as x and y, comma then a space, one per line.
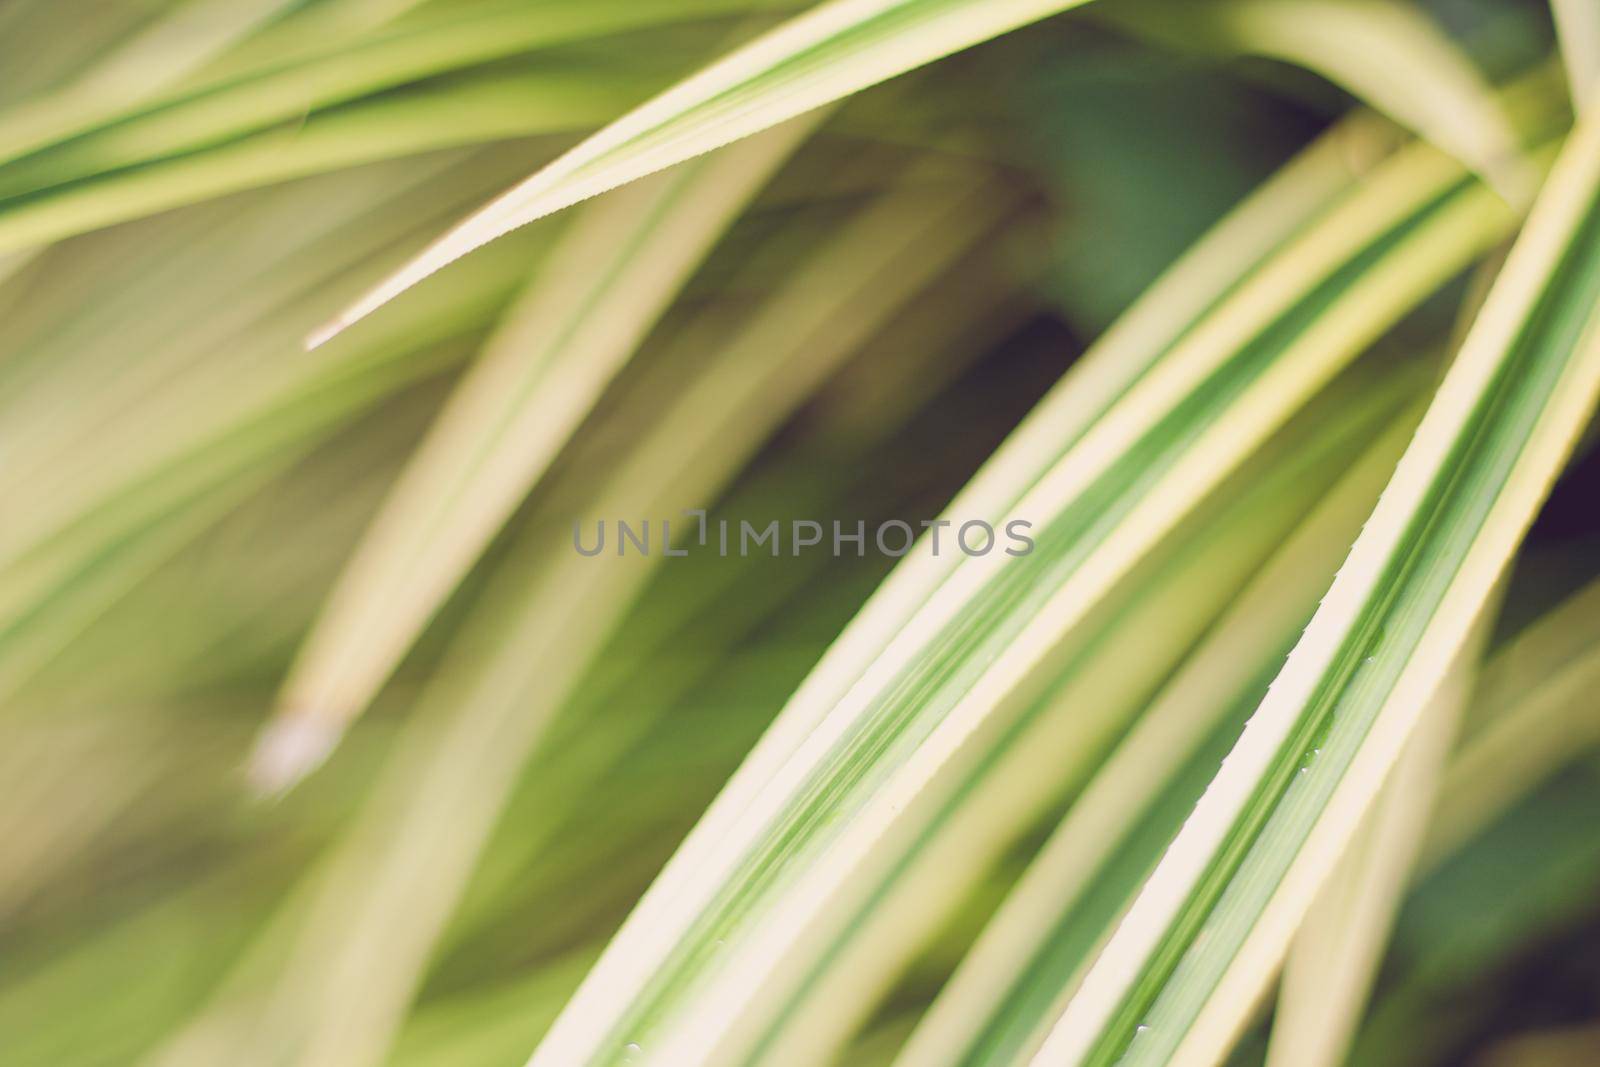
47, 149
129, 454
1578, 25
589, 308
493, 709
966, 698
1151, 621
1531, 715
998, 1007
845, 46
831, 51
1388, 54
1174, 983
1334, 960
947, 654
407, 122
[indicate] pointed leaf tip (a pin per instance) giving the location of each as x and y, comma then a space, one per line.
324, 333
287, 751
822, 55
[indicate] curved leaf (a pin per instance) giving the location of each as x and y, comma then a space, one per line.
407, 122
1178, 977
999, 1005
828, 53
1388, 53
950, 652
393, 886
1578, 26
1335, 956
43, 149
595, 298
1531, 714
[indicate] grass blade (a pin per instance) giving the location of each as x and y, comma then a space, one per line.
1335, 956
40, 152
998, 1006
130, 460
157, 56
359, 959
949, 653
828, 53
1024, 773
409, 121
1177, 979
1578, 26
1532, 714
597, 296
1387, 53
